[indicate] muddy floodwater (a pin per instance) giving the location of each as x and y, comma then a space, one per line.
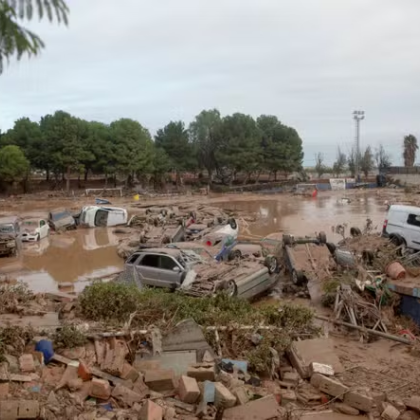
69, 261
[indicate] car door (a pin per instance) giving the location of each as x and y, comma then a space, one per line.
171, 271
412, 231
43, 228
148, 270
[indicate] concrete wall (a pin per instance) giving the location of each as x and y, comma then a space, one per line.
407, 179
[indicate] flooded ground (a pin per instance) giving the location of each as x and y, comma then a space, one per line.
70, 260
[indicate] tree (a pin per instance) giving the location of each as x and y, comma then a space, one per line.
15, 40
174, 140
367, 162
133, 148
281, 146
340, 163
382, 158
161, 166
240, 147
13, 164
320, 168
205, 135
410, 150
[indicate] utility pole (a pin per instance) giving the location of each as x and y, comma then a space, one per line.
358, 116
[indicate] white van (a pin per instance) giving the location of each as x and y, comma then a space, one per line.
403, 226
97, 216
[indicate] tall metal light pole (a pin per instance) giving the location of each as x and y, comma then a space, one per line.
358, 116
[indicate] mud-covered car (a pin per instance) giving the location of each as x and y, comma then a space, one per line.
9, 235
186, 270
61, 219
34, 229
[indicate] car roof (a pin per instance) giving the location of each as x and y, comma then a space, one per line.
401, 207
169, 251
8, 219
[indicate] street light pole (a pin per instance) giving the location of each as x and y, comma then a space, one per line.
358, 116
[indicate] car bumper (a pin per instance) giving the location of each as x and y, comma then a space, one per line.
29, 237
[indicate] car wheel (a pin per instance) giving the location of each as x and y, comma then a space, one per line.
354, 232
297, 278
233, 224
322, 237
232, 289
287, 239
271, 263
235, 255
38, 237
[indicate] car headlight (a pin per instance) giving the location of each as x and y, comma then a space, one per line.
11, 244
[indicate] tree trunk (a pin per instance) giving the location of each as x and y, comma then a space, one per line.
68, 179
86, 174
275, 176
47, 175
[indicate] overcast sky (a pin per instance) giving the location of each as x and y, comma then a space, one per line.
310, 62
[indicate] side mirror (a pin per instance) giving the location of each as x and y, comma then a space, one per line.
176, 269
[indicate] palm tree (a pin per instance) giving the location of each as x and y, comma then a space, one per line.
410, 150
15, 40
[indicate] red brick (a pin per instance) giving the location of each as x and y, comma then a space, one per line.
262, 409
9, 410
116, 352
129, 373
160, 380
84, 371
188, 390
84, 392
223, 397
126, 395
100, 389
329, 386
26, 362
359, 400
140, 388
28, 410
4, 390
151, 411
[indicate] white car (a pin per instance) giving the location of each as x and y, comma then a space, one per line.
34, 229
98, 216
402, 226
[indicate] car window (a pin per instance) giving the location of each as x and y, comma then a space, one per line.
42, 223
7, 228
150, 260
167, 263
414, 220
132, 259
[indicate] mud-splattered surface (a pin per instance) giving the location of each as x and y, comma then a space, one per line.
68, 261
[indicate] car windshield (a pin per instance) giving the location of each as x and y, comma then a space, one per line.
58, 216
8, 228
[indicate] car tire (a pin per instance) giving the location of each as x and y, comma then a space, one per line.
322, 237
355, 232
235, 255
287, 239
232, 289
233, 224
297, 278
271, 263
38, 237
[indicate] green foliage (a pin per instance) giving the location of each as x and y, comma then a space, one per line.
410, 149
69, 337
367, 163
17, 40
382, 158
340, 164
13, 164
174, 140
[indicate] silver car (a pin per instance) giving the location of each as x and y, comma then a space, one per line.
184, 269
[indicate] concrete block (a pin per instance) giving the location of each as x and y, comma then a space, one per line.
223, 397
241, 396
160, 380
27, 363
409, 415
346, 409
202, 372
329, 386
390, 413
28, 410
151, 411
9, 410
359, 400
126, 395
262, 409
188, 390
208, 391
291, 378
100, 389
326, 370
414, 403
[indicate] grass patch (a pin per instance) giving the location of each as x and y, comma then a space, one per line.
69, 337
13, 340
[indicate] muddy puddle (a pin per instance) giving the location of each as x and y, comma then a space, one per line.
69, 261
